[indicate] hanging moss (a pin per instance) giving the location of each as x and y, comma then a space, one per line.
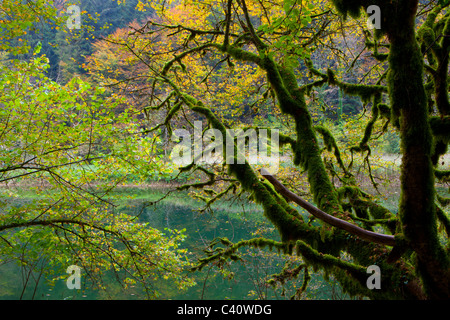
443, 201
440, 127
442, 175
221, 254
211, 179
444, 219
365, 92
282, 201
403, 87
348, 7
384, 110
170, 115
330, 144
351, 276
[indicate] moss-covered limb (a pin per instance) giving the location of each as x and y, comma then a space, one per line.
377, 211
239, 54
217, 196
358, 199
291, 101
351, 192
290, 273
345, 8
445, 41
369, 128
170, 115
161, 104
283, 139
363, 145
374, 222
336, 222
389, 223
437, 49
352, 277
438, 70
289, 226
307, 88
288, 102
211, 180
308, 155
283, 202
310, 65
287, 273
441, 54
307, 152
427, 36
398, 277
231, 249
259, 44
378, 55
211, 177
306, 279
331, 145
384, 110
365, 92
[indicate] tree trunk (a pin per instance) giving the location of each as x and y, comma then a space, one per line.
417, 204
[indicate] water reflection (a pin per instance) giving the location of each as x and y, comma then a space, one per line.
240, 280
236, 223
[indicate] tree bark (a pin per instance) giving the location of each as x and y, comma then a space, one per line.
417, 204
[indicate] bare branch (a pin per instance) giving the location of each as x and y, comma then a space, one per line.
336, 222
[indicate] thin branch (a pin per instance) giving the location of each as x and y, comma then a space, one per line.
257, 41
226, 40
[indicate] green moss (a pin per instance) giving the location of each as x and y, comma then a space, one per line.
348, 7
170, 115
365, 92
289, 210
444, 219
330, 144
384, 110
408, 99
442, 175
440, 127
277, 211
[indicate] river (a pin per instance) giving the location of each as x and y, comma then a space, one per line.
236, 220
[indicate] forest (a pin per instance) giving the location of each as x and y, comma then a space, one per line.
134, 135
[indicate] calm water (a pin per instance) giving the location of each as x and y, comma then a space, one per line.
234, 221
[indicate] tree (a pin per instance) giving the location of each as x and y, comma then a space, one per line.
407, 90
61, 143
98, 19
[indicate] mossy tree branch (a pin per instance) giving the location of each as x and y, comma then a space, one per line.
336, 222
408, 102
